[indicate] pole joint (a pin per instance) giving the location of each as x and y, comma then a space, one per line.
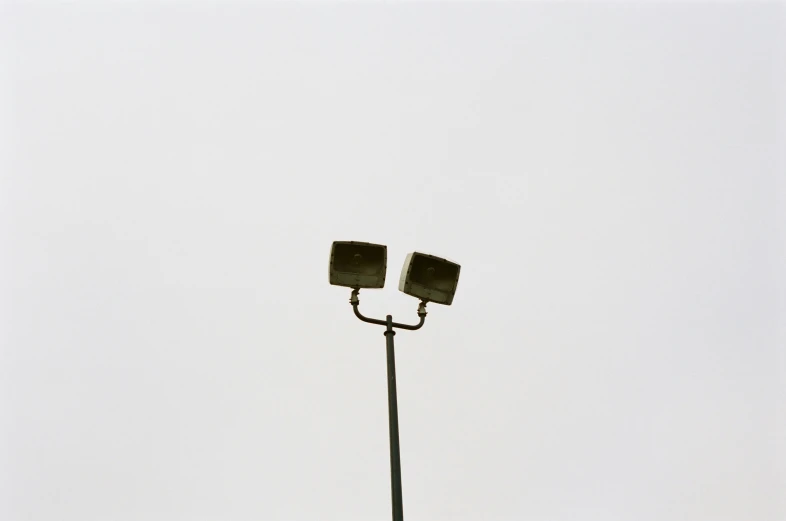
354, 300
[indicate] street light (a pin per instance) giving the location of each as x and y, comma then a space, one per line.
429, 278
359, 265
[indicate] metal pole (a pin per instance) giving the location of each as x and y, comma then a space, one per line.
395, 453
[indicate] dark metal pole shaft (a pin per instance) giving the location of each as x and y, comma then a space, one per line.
395, 453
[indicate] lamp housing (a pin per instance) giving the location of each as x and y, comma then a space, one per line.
429, 278
358, 265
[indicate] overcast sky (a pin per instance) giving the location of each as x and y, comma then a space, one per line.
609, 176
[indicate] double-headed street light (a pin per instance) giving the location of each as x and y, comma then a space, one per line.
359, 265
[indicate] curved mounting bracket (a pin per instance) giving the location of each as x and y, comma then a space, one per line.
355, 301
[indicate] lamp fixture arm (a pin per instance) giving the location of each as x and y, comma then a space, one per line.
355, 301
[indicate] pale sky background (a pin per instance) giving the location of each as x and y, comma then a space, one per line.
609, 176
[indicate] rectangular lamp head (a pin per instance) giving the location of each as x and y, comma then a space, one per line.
429, 278
358, 264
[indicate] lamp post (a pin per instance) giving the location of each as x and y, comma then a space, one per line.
429, 278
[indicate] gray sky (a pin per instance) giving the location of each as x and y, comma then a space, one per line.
609, 176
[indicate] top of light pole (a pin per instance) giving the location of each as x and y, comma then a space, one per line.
358, 265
